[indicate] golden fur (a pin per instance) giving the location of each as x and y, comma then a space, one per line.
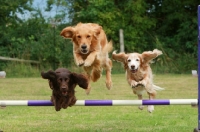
90, 50
139, 73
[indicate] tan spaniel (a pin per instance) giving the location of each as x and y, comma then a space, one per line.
90, 50
139, 73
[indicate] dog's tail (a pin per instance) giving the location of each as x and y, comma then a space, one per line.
108, 47
157, 88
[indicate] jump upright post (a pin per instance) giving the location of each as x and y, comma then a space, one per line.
198, 128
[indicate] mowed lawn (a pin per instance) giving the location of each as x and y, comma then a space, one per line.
173, 118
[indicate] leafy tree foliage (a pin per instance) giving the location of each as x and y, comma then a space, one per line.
9, 21
147, 24
129, 15
173, 23
35, 38
176, 28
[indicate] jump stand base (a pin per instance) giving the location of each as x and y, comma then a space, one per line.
196, 130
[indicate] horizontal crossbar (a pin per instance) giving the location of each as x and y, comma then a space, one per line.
102, 102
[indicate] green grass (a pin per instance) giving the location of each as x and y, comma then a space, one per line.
174, 118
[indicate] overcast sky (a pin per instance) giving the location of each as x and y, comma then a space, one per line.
41, 4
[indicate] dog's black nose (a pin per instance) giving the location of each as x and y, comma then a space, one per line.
132, 67
84, 46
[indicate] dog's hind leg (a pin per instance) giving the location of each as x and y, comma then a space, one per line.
96, 74
108, 68
96, 70
87, 91
88, 72
152, 95
141, 107
57, 104
139, 90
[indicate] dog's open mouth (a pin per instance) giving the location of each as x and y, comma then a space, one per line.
84, 51
133, 70
64, 93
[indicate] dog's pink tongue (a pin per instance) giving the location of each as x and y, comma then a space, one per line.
64, 92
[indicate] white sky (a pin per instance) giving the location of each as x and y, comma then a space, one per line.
40, 4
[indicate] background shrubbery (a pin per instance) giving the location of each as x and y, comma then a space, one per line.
170, 26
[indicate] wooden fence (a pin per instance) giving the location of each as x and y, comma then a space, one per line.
20, 60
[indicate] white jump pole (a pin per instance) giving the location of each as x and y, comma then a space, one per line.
193, 102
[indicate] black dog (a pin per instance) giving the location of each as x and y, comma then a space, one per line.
63, 82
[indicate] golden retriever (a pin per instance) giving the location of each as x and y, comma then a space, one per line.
139, 73
90, 50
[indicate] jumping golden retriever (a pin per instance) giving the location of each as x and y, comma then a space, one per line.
139, 73
90, 50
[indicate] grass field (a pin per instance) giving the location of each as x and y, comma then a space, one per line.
174, 118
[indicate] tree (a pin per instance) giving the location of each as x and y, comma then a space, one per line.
176, 28
129, 15
167, 25
9, 20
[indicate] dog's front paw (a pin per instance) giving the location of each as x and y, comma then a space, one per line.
134, 84
150, 108
80, 62
64, 106
140, 85
88, 63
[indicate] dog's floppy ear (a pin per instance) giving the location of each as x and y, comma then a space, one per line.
48, 75
150, 55
67, 32
51, 76
119, 57
80, 79
97, 30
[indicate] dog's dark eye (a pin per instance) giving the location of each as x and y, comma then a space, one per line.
129, 60
137, 59
88, 36
78, 36
59, 80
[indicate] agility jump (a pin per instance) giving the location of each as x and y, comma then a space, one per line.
192, 102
